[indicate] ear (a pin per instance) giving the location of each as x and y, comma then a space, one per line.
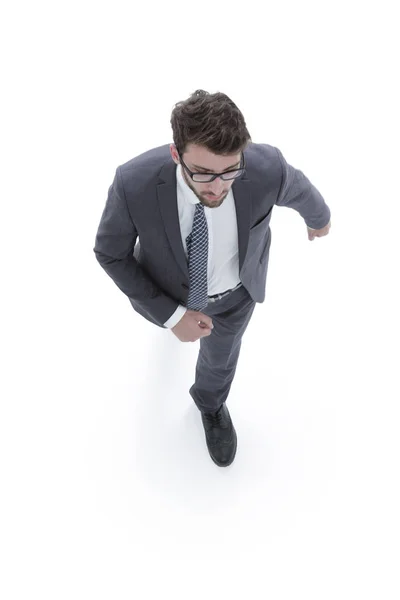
174, 153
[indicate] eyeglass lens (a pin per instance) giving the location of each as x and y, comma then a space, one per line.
205, 177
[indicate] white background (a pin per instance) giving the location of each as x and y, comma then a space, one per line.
107, 488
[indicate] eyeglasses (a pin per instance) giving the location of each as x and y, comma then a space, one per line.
207, 177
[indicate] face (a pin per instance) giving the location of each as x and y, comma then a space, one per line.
213, 193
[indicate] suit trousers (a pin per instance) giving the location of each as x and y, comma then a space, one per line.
219, 352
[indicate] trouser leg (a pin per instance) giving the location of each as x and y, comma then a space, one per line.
219, 352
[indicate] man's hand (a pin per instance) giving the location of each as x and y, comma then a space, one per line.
192, 326
312, 233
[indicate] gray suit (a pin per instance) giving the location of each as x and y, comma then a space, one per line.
142, 203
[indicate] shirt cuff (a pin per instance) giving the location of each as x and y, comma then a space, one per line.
175, 317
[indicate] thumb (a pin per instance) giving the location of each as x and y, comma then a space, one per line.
205, 319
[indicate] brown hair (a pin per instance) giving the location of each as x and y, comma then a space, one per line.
210, 120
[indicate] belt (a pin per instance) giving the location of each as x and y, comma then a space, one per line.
219, 296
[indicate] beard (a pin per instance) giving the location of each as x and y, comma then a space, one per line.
204, 201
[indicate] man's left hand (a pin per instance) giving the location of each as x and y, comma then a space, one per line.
312, 233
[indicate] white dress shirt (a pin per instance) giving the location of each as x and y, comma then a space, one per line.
223, 248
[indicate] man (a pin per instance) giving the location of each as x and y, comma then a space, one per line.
201, 208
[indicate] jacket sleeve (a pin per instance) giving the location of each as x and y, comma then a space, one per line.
298, 192
114, 245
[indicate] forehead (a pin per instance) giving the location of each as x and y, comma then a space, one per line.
202, 157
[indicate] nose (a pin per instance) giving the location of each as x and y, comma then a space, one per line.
217, 187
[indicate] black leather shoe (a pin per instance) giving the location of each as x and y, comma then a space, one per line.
220, 436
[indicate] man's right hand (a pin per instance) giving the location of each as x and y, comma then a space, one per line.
188, 329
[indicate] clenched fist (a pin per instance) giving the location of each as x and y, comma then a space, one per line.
192, 326
312, 233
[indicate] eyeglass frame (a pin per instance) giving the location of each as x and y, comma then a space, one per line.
214, 175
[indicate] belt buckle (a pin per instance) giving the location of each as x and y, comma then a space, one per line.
224, 293
214, 299
220, 296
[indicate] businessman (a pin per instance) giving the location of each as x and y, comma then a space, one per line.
185, 234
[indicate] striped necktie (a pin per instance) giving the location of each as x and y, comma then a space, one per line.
197, 246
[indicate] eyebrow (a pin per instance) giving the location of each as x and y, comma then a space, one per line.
212, 170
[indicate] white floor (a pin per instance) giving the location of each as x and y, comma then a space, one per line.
107, 488
108, 483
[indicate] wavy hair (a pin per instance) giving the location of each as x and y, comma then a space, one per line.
210, 120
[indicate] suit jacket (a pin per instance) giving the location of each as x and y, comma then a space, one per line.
139, 244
